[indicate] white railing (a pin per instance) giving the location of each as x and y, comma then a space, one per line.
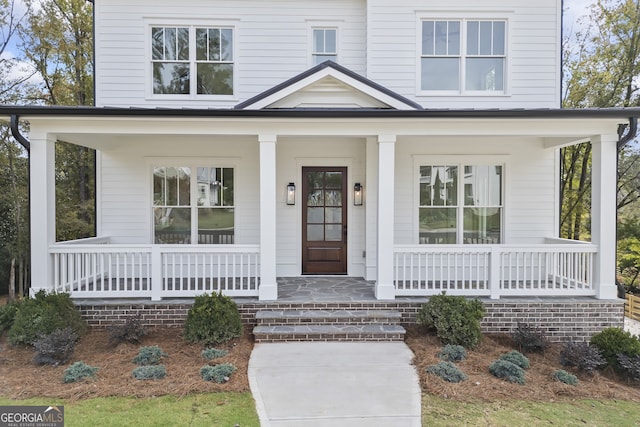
154, 271
558, 269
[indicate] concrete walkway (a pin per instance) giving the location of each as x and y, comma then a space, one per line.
337, 384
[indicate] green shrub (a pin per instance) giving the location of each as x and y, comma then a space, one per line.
43, 314
8, 314
614, 341
217, 373
455, 319
151, 355
131, 331
516, 358
79, 371
447, 371
452, 353
55, 348
151, 372
213, 353
630, 365
530, 339
582, 355
213, 319
565, 377
507, 371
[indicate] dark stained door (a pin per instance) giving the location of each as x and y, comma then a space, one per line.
324, 220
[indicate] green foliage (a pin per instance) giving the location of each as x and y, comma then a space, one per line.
43, 314
213, 319
455, 319
582, 355
516, 358
7, 315
79, 371
530, 339
213, 353
131, 331
55, 348
614, 341
217, 373
565, 377
452, 353
630, 365
629, 262
507, 371
151, 355
447, 371
149, 372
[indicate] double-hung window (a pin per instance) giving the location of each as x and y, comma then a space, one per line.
199, 210
325, 45
460, 204
192, 60
464, 56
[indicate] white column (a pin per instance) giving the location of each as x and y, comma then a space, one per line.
43, 210
371, 209
268, 286
386, 178
603, 213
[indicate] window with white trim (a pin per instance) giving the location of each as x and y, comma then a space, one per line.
192, 60
187, 210
464, 56
460, 208
325, 45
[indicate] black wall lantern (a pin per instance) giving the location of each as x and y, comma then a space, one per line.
291, 194
357, 194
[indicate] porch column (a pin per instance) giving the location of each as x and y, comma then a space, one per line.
371, 211
603, 213
386, 178
43, 209
268, 286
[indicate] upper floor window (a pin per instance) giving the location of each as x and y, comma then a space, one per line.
463, 55
325, 45
192, 60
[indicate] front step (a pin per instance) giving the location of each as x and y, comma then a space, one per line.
328, 325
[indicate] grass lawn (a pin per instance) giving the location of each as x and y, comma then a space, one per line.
444, 412
210, 409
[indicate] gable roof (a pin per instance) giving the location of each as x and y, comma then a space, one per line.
328, 85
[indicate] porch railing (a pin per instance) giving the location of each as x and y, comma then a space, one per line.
554, 269
154, 271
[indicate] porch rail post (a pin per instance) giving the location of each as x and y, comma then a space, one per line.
495, 264
156, 273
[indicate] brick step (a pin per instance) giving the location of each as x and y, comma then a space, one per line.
331, 332
324, 317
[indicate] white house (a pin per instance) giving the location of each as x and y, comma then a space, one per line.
411, 143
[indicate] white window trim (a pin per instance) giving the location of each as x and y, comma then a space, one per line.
318, 25
464, 18
461, 161
192, 25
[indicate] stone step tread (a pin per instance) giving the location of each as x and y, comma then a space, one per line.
328, 329
324, 314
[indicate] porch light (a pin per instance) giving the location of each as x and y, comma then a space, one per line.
357, 194
291, 194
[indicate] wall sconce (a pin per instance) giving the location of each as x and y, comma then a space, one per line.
291, 194
357, 194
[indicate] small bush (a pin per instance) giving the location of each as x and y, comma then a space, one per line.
530, 339
131, 331
507, 371
151, 355
79, 371
213, 319
7, 315
55, 348
217, 373
452, 353
213, 353
43, 314
455, 319
614, 341
631, 365
565, 377
447, 371
151, 372
516, 358
582, 355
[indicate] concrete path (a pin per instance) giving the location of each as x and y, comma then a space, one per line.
337, 384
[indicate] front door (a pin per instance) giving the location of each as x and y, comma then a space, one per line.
324, 220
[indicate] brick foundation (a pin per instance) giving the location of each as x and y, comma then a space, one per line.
562, 320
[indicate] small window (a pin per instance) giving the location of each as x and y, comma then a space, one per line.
325, 45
